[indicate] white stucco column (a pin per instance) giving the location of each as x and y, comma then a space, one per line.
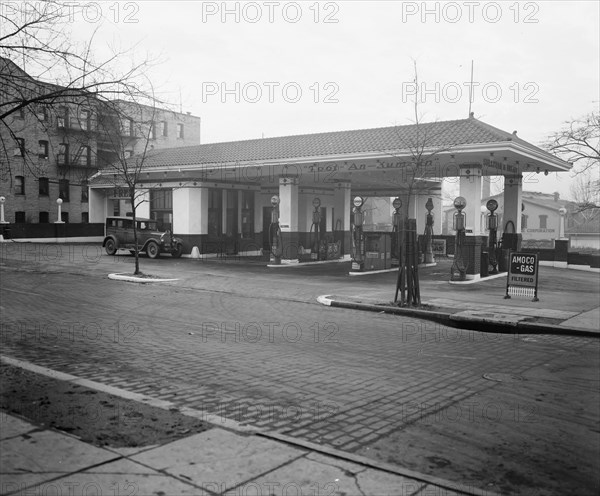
513, 191
409, 206
288, 217
190, 211
288, 204
470, 189
143, 203
98, 205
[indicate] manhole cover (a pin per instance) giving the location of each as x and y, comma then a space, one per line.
500, 377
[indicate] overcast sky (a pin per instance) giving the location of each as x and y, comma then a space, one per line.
252, 69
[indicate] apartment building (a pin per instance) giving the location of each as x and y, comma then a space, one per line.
50, 149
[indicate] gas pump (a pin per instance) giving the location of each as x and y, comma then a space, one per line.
428, 235
396, 228
492, 225
358, 240
458, 271
316, 225
275, 232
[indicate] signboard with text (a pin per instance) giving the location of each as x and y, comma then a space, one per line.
522, 279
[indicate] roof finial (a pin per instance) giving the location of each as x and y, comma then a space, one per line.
471, 115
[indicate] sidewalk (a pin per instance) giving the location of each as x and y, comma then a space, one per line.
568, 302
37, 460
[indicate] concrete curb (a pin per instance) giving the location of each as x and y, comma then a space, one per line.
143, 280
474, 323
306, 264
378, 465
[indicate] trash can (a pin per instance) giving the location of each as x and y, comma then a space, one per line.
484, 270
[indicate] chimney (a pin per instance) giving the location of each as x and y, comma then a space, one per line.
556, 196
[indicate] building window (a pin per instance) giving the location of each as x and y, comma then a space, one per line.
179, 131
20, 149
164, 128
247, 214
128, 153
85, 218
19, 217
42, 149
21, 113
42, 113
215, 209
63, 117
64, 216
543, 221
44, 186
126, 127
63, 190
44, 217
523, 221
84, 156
19, 185
161, 207
84, 192
63, 154
153, 130
84, 119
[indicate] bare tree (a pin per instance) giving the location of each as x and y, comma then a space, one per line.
121, 124
579, 142
585, 193
43, 68
415, 173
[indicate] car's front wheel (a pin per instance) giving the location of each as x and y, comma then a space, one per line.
178, 251
153, 249
110, 246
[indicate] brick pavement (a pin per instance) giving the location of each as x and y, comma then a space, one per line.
375, 375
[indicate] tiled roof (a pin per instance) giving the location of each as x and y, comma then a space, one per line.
437, 135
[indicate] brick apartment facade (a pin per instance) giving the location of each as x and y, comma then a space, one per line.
50, 150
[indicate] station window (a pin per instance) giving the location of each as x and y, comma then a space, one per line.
523, 221
215, 209
164, 128
153, 130
44, 217
161, 207
180, 131
247, 214
543, 221
64, 216
20, 218
85, 217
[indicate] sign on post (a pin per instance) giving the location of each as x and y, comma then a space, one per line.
522, 277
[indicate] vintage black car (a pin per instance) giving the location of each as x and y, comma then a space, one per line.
119, 234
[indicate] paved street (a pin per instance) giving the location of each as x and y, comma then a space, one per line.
500, 412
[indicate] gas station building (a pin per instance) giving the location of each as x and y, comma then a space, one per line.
217, 197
